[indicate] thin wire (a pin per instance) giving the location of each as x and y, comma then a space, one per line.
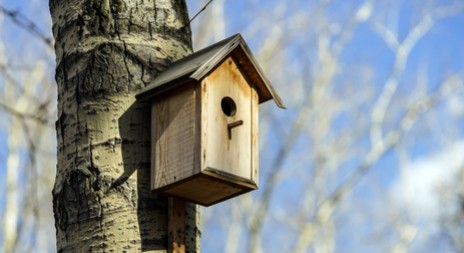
202, 9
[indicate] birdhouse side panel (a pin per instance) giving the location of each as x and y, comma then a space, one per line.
175, 137
227, 121
254, 137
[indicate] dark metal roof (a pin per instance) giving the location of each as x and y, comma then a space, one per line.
199, 64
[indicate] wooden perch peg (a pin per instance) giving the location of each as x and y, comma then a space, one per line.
232, 125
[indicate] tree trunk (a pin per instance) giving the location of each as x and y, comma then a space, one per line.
107, 50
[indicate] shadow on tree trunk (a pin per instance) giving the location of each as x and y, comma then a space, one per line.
134, 127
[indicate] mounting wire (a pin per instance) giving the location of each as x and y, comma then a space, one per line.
202, 9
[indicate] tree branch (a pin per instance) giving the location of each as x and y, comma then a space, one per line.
28, 25
36, 117
403, 50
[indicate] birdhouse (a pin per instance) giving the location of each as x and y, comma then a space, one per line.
204, 116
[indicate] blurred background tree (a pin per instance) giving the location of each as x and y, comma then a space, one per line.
368, 157
27, 135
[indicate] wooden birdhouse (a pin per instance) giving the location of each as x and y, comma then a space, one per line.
205, 123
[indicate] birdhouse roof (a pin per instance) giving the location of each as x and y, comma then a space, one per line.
199, 64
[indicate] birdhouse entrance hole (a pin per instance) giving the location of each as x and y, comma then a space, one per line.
228, 106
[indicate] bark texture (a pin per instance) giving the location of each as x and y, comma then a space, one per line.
107, 50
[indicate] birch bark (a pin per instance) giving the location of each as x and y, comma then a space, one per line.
107, 50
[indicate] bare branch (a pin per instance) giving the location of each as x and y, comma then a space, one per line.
401, 58
11, 213
28, 25
387, 35
362, 14
36, 117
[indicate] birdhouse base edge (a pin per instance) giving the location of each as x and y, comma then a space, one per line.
209, 187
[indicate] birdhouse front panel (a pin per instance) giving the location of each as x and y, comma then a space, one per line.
229, 123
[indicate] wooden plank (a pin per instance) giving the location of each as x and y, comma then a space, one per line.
173, 136
221, 149
198, 113
204, 191
254, 137
176, 225
209, 187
